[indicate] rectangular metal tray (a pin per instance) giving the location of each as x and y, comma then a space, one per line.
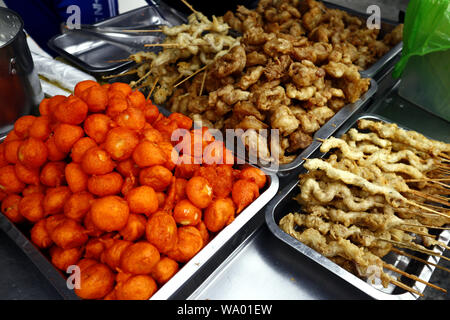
95, 55
283, 204
186, 279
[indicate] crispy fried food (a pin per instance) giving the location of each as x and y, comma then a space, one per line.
199, 192
186, 213
161, 231
244, 192
80, 147
136, 287
29, 176
110, 213
72, 110
142, 199
40, 236
219, 214
69, 234
97, 126
139, 258
149, 154
190, 242
105, 185
113, 251
66, 135
157, 177
32, 153
53, 174
63, 258
164, 270
135, 227
76, 178
78, 205
55, 199
22, 126
40, 128
96, 282
120, 143
10, 208
97, 161
31, 207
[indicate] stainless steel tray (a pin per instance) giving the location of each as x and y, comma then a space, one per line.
283, 203
94, 54
188, 277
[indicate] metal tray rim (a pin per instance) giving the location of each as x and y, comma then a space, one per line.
325, 262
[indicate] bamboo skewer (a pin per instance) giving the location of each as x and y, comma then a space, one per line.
413, 277
188, 77
425, 226
203, 83
442, 155
420, 233
426, 179
120, 60
429, 197
405, 287
142, 78
163, 45
121, 74
412, 247
403, 253
427, 209
189, 6
153, 88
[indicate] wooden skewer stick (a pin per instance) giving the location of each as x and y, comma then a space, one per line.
420, 233
142, 78
411, 247
405, 287
120, 60
429, 197
427, 179
411, 276
403, 253
425, 226
427, 209
189, 6
162, 45
153, 88
443, 155
203, 83
120, 75
138, 31
188, 77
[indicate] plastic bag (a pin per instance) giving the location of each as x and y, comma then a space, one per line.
426, 30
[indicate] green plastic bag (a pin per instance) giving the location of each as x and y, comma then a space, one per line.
426, 30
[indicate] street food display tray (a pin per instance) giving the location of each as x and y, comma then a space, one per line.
284, 203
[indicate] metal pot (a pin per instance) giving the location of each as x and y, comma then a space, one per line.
20, 88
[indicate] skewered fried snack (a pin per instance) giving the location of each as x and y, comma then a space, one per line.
375, 190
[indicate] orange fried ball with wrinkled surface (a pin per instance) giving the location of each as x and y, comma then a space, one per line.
53, 174
31, 207
76, 178
69, 234
96, 98
137, 99
121, 87
244, 192
105, 184
255, 175
142, 199
139, 258
120, 143
91, 229
128, 167
10, 151
161, 231
157, 177
55, 199
73, 110
10, 208
27, 175
97, 161
63, 258
40, 236
32, 153
30, 189
148, 154
96, 281
113, 252
218, 214
54, 154
186, 213
199, 192
201, 226
135, 227
80, 147
9, 182
190, 242
131, 118
97, 126
136, 287
52, 222
40, 128
78, 205
22, 125
164, 270
94, 248
66, 135
81, 86
110, 213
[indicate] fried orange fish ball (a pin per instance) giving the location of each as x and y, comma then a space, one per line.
218, 214
186, 167
116, 104
52, 104
255, 175
73, 111
97, 161
152, 135
137, 99
135, 227
69, 234
157, 177
40, 128
164, 270
27, 175
142, 200
96, 97
131, 118
161, 199
190, 242
11, 136
78, 205
148, 154
10, 151
53, 174
171, 154
76, 178
124, 88
161, 231
180, 189
220, 178
166, 127
181, 120
52, 222
55, 199
120, 143
3, 161
30, 189
43, 107
9, 182
201, 226
97, 126
96, 281
66, 135
139, 258
105, 184
10, 208
151, 112
199, 192
22, 126
128, 168
110, 213
136, 287
40, 236
244, 192
113, 252
63, 258
32, 153
54, 154
91, 229
80, 147
81, 86
93, 249
186, 213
